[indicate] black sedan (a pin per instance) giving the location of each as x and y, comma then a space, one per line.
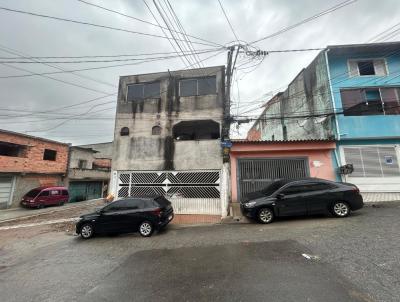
127, 215
301, 197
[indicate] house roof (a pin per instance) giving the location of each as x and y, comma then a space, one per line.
370, 47
85, 149
32, 137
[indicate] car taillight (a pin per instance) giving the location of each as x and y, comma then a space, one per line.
157, 212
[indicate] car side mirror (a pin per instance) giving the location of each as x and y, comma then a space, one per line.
280, 195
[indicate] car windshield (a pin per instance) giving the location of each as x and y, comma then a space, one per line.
273, 186
32, 193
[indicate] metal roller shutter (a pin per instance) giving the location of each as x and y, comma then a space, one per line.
5, 191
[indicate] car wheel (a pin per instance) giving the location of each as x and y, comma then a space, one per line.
40, 206
87, 231
265, 215
146, 229
61, 203
340, 209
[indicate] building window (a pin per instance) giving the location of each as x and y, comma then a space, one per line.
372, 161
370, 101
199, 86
196, 130
124, 131
375, 67
49, 154
143, 91
13, 150
156, 130
82, 164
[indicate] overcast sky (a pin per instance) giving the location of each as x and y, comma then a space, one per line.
34, 36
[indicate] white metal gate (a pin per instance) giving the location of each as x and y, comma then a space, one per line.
191, 192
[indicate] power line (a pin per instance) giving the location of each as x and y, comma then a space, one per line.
185, 35
320, 14
143, 21
229, 22
90, 24
24, 55
90, 61
164, 17
44, 75
165, 34
91, 68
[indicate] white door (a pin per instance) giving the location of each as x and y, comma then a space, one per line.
6, 184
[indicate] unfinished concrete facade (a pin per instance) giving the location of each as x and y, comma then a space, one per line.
167, 138
300, 112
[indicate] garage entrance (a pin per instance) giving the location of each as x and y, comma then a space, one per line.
84, 190
6, 184
255, 173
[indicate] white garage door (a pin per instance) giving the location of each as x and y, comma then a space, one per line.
5, 191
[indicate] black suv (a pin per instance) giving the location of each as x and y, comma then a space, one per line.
127, 215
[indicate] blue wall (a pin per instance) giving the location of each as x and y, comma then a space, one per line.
372, 126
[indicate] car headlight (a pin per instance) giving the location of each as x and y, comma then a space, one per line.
250, 204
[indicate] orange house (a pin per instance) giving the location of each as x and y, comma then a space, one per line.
255, 163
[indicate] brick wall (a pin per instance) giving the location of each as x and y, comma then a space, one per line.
102, 162
33, 162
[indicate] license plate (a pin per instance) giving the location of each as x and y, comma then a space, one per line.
170, 217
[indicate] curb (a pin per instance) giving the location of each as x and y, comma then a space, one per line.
49, 212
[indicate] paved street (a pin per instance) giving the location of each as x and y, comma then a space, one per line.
353, 259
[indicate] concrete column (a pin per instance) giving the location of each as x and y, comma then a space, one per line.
225, 189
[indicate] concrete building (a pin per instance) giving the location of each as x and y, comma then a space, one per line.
27, 162
350, 93
167, 139
88, 176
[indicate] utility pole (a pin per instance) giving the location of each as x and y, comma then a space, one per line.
227, 101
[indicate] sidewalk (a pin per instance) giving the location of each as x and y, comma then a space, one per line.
23, 213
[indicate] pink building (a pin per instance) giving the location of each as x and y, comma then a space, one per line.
255, 163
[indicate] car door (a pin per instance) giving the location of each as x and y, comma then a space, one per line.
43, 198
55, 197
291, 200
112, 217
319, 196
131, 216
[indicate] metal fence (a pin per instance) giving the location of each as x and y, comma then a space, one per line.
191, 192
255, 174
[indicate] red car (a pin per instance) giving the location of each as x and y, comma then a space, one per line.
45, 196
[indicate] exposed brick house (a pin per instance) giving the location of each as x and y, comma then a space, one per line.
27, 162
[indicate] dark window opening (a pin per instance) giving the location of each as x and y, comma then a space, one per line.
82, 164
14, 150
143, 91
199, 86
196, 130
124, 131
49, 154
370, 101
366, 67
156, 130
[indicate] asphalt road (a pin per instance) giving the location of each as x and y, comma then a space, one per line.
357, 259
